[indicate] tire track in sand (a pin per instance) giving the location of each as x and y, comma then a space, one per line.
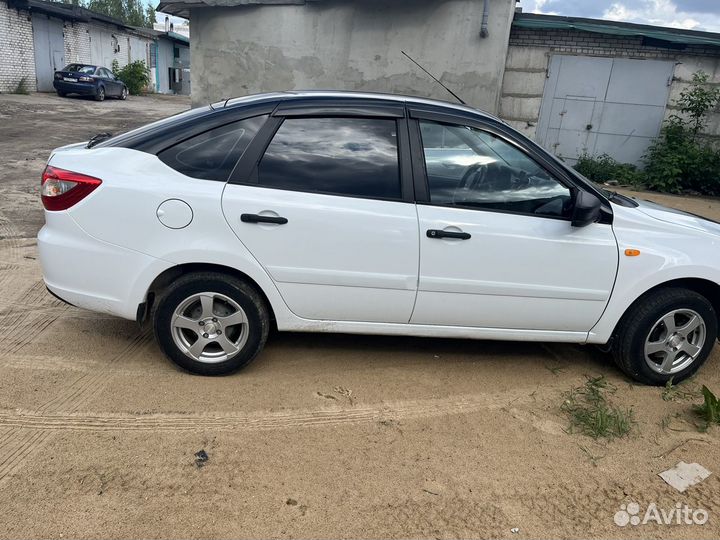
22, 441
258, 420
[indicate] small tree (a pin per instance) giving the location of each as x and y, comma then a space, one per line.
135, 75
678, 160
698, 101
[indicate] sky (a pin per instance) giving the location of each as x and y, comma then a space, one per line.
688, 14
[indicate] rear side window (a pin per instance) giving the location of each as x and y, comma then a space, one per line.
212, 155
356, 157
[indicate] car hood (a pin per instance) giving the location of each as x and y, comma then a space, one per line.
677, 217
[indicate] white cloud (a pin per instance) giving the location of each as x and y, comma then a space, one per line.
657, 12
694, 14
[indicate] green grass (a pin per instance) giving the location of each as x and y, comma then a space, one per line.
709, 411
590, 413
673, 392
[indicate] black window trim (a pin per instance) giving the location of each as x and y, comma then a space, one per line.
246, 170
161, 138
499, 130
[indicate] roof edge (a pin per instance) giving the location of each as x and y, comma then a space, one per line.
602, 26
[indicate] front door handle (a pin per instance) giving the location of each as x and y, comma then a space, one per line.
437, 233
258, 218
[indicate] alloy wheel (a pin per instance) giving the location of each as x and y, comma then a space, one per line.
675, 341
209, 327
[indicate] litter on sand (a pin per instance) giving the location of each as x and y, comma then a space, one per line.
683, 475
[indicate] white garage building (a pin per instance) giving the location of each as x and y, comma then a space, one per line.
38, 37
600, 87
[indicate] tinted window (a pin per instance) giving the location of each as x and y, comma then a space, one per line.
472, 168
212, 155
342, 156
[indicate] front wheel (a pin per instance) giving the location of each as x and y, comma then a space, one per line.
666, 335
211, 324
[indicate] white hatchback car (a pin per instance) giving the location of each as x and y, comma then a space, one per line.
369, 214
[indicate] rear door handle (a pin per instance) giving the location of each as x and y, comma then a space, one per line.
437, 233
257, 218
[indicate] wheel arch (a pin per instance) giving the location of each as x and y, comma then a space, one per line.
705, 287
162, 281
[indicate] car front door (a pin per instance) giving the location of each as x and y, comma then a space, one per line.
497, 249
324, 202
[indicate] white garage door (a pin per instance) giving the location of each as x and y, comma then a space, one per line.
599, 106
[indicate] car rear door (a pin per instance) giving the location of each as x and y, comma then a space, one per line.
497, 249
323, 200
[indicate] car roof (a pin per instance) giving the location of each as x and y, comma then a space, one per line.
298, 95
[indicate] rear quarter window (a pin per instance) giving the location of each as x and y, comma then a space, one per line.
212, 155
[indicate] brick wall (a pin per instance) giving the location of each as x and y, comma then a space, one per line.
594, 44
77, 42
17, 59
529, 55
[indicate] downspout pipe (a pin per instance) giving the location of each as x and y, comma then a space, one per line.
486, 13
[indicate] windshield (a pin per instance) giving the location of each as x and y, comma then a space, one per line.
80, 68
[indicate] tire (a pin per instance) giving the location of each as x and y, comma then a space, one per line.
100, 96
61, 94
124, 93
644, 340
238, 323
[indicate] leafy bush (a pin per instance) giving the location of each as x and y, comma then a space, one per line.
604, 169
679, 160
135, 75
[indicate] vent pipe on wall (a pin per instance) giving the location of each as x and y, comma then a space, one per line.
486, 13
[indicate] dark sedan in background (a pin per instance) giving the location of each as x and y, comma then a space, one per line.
88, 80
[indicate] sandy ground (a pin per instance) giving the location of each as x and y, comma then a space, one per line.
323, 436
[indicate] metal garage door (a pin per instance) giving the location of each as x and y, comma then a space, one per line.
49, 50
609, 106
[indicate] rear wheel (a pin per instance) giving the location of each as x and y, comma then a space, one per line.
124, 93
211, 324
100, 96
668, 334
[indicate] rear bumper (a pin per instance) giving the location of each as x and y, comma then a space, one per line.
86, 89
89, 273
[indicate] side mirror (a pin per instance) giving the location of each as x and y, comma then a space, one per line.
586, 209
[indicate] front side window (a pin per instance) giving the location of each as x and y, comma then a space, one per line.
472, 168
355, 157
212, 155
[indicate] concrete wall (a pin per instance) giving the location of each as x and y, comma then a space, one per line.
529, 54
340, 44
17, 58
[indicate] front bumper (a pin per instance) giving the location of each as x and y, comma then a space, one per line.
86, 89
92, 274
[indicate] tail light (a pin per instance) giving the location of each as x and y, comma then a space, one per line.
85, 79
62, 189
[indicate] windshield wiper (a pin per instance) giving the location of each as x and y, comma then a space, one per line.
97, 139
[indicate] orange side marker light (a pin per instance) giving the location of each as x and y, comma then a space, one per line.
632, 252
